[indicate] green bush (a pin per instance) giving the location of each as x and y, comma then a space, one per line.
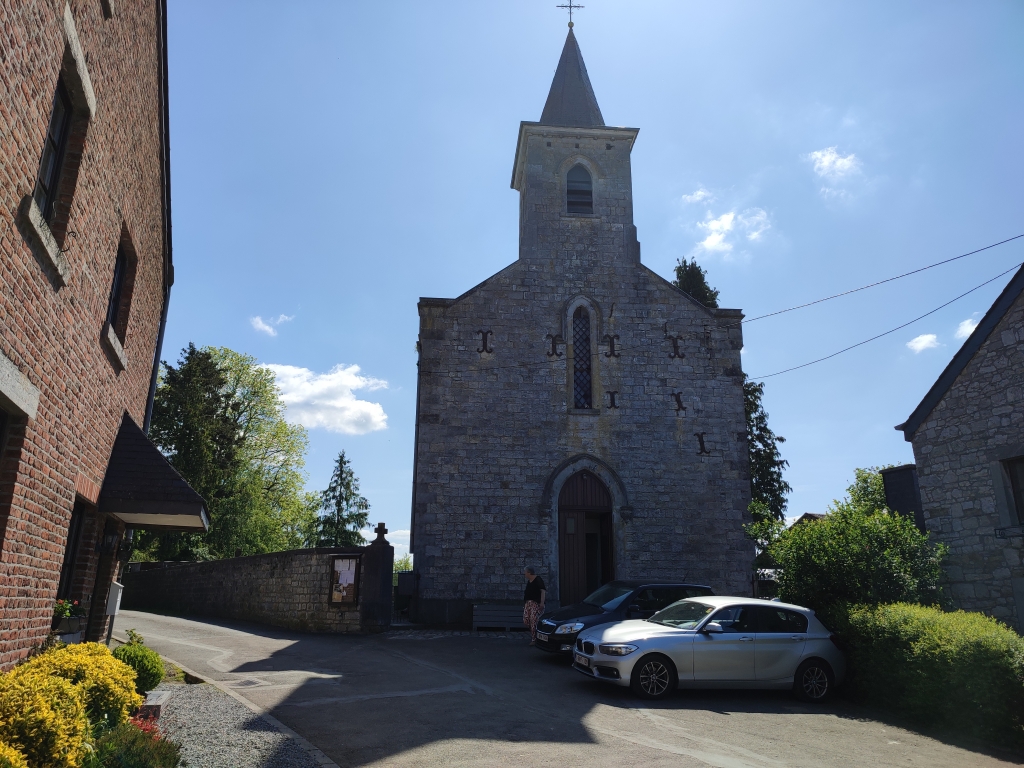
134, 745
857, 555
149, 668
958, 671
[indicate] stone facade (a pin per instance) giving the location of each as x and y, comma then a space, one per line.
280, 589
63, 390
963, 434
497, 431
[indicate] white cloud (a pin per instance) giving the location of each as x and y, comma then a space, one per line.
925, 341
262, 327
398, 539
327, 399
829, 164
966, 328
698, 197
267, 327
751, 223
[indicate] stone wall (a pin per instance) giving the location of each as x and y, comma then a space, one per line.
497, 433
280, 589
67, 391
977, 424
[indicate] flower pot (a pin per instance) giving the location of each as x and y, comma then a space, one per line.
67, 625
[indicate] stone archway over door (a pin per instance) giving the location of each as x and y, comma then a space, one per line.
584, 537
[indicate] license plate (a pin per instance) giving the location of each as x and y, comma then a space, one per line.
583, 661
542, 637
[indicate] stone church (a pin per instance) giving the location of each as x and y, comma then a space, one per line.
576, 412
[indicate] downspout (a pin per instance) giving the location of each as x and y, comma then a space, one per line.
165, 162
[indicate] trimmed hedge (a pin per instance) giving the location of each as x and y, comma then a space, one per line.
959, 671
106, 684
11, 758
43, 718
148, 666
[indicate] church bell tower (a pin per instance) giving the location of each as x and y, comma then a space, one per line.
573, 175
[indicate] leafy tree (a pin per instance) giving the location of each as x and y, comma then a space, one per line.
219, 419
859, 553
194, 426
343, 511
768, 489
692, 280
868, 490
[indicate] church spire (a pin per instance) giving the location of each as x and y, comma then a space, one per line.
571, 101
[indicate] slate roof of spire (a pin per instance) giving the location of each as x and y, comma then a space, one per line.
571, 101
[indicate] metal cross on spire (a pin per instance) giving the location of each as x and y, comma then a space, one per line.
571, 6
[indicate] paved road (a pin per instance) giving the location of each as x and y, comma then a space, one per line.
421, 699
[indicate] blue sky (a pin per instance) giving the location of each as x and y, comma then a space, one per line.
333, 162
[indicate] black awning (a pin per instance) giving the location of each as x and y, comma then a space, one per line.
143, 490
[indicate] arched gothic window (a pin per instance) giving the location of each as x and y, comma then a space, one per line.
581, 371
579, 191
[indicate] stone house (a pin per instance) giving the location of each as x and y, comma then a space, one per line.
576, 412
968, 438
85, 278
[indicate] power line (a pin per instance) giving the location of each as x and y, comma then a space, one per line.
897, 328
880, 282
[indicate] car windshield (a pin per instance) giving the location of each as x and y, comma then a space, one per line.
686, 614
610, 596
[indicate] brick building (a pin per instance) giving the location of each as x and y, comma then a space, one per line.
575, 411
85, 277
968, 438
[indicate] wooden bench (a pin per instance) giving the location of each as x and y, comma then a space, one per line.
498, 617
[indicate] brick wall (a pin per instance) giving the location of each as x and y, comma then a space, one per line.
281, 589
49, 331
958, 449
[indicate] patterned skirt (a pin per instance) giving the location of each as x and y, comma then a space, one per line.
531, 614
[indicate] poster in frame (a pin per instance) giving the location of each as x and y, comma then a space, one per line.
344, 580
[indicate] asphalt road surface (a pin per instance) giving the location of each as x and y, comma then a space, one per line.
429, 699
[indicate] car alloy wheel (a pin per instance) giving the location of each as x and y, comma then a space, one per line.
653, 677
813, 681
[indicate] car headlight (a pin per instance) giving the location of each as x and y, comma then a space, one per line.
617, 649
568, 629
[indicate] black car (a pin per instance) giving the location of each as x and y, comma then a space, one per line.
615, 601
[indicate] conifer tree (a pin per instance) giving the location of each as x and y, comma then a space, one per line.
343, 512
692, 280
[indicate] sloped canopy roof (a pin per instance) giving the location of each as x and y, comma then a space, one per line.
142, 489
571, 101
961, 359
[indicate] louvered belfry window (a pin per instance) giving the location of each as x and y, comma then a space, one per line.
581, 372
579, 191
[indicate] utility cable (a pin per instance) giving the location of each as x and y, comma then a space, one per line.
897, 328
880, 282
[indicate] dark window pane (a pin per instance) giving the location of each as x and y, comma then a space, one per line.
1015, 469
780, 620
53, 151
579, 191
737, 618
114, 305
581, 383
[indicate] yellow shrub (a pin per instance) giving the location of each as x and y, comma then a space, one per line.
11, 758
107, 685
44, 718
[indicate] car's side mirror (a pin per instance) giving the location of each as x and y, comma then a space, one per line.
633, 610
712, 628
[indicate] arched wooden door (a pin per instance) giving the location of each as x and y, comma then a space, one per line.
584, 537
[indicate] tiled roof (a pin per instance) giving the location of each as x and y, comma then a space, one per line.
144, 490
571, 101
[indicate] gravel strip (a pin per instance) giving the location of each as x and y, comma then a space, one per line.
215, 731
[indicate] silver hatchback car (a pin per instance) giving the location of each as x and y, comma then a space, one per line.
715, 642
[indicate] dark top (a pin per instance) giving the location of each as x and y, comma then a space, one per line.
533, 589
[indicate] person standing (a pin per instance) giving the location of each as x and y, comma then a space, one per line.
534, 598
